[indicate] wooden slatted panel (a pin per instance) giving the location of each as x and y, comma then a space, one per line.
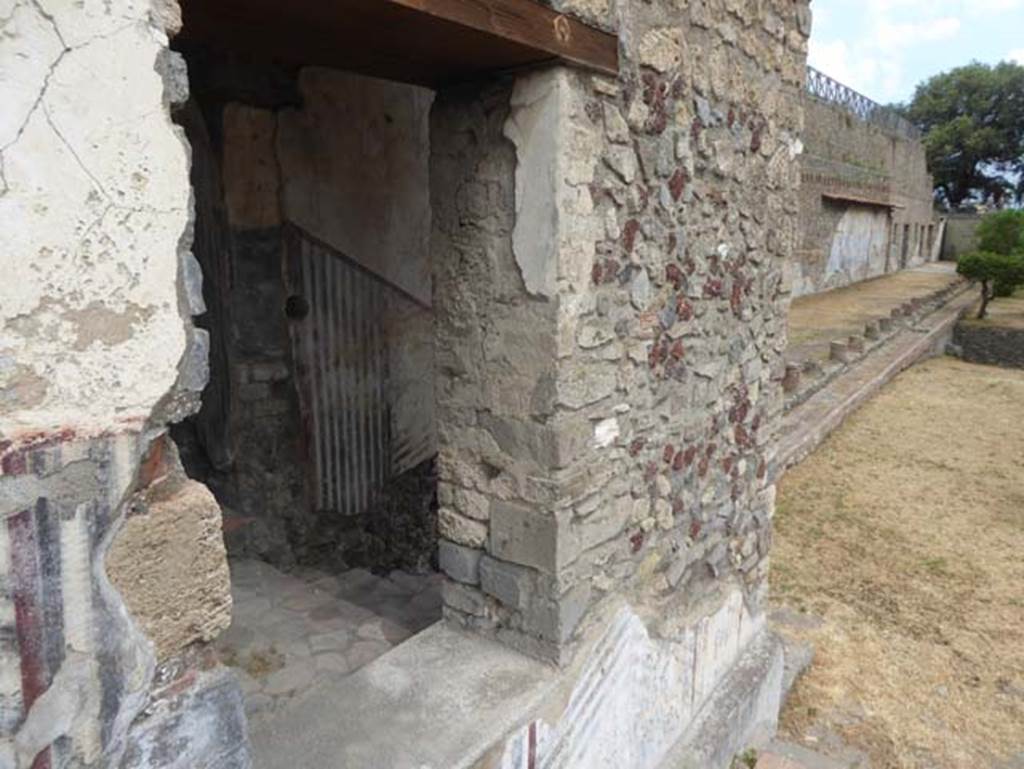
342, 362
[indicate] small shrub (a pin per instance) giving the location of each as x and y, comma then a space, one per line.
745, 760
997, 273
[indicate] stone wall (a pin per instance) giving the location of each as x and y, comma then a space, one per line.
989, 343
960, 235
608, 356
97, 355
865, 202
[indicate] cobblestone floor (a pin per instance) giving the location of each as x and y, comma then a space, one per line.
287, 629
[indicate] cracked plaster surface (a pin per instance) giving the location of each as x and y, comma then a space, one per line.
94, 184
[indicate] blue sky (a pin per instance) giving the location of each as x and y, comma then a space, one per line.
883, 48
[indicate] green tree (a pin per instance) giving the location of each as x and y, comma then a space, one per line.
992, 270
973, 123
1001, 232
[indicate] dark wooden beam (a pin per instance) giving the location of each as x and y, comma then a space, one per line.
531, 24
427, 42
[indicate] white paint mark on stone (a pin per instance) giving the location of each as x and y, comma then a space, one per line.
606, 432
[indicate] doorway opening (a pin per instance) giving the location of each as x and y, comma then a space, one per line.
317, 430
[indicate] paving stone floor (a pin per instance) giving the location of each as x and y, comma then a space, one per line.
289, 628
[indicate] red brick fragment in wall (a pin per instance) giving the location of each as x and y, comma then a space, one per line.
677, 184
629, 233
636, 541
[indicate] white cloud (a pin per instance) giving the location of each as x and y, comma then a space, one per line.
995, 6
873, 62
884, 40
1016, 55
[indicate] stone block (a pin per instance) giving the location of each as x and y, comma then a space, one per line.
169, 564
557, 619
511, 584
467, 600
839, 351
460, 529
459, 562
791, 379
885, 325
871, 330
531, 537
856, 344
548, 446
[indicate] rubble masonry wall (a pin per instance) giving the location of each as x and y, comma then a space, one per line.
608, 356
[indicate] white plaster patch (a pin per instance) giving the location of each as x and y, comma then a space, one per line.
635, 695
606, 432
533, 126
97, 194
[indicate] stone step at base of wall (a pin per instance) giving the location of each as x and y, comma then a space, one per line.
743, 711
788, 755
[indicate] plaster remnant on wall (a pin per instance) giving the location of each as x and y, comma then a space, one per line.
370, 133
533, 126
100, 198
614, 698
250, 167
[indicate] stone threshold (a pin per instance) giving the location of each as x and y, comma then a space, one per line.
439, 701
699, 686
806, 425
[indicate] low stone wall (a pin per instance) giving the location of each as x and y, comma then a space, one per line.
991, 345
805, 378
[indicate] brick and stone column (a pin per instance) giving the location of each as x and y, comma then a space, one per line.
608, 273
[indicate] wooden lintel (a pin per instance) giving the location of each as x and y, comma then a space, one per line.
847, 197
531, 24
427, 42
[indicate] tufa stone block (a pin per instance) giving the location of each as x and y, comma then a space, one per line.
557, 620
459, 562
169, 564
511, 584
531, 537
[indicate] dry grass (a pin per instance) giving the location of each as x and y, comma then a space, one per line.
1005, 312
905, 532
